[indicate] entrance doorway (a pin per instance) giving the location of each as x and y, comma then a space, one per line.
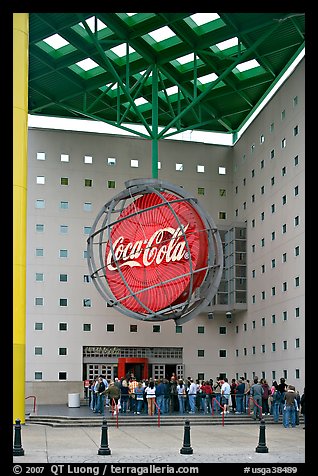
135, 366
169, 371
135, 370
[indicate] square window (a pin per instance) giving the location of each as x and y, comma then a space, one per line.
62, 375
134, 163
39, 228
178, 329
62, 326
38, 326
111, 161
40, 180
111, 184
63, 253
38, 301
88, 159
63, 278
65, 158
222, 192
87, 327
222, 330
222, 215
87, 278
200, 352
87, 303
39, 277
133, 328
222, 353
200, 168
222, 171
88, 182
87, 230
37, 375
39, 252
179, 167
64, 205
201, 191
40, 156
63, 302
64, 180
87, 207
155, 328
38, 351
62, 351
63, 229
40, 203
200, 329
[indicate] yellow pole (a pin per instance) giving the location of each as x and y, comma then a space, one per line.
20, 162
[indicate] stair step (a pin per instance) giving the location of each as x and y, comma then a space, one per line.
145, 420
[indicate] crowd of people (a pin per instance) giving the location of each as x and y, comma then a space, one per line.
149, 396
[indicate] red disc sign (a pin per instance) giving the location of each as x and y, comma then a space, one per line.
153, 250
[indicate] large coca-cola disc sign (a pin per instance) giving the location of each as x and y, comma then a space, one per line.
154, 254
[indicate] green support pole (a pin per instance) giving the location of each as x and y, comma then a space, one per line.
155, 122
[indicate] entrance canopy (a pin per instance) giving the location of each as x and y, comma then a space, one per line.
166, 72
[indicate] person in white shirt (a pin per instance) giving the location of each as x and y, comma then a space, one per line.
225, 392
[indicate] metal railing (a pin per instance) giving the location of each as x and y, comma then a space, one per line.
214, 399
255, 403
114, 407
34, 401
158, 408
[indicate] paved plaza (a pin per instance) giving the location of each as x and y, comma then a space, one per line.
210, 444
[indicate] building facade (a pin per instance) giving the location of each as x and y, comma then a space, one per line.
254, 191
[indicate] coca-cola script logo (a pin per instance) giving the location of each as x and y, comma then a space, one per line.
154, 248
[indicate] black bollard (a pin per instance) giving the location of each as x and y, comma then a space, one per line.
17, 446
262, 448
104, 449
186, 449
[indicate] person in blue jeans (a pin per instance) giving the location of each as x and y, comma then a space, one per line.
100, 396
240, 389
275, 405
290, 407
139, 392
192, 393
181, 395
256, 393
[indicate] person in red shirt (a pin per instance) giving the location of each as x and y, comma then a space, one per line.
207, 390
